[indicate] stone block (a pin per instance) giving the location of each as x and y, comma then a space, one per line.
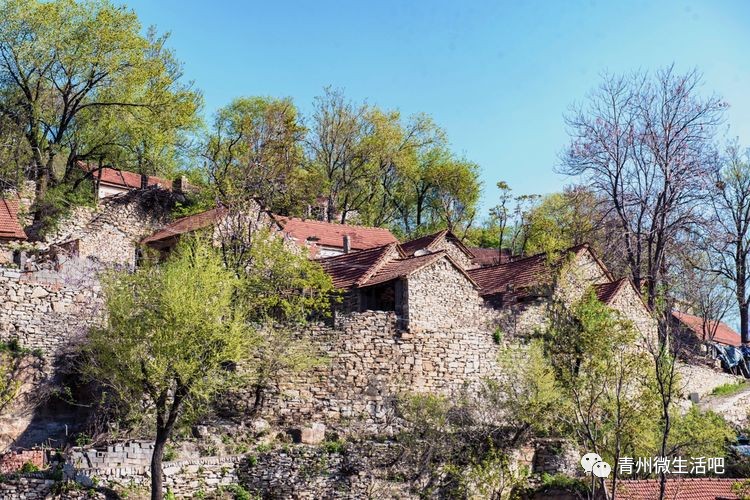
314, 434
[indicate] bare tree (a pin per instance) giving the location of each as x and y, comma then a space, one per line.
338, 149
644, 144
730, 239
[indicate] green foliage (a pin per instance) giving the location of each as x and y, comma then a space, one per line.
171, 332
698, 433
82, 439
530, 392
729, 389
280, 285
497, 336
564, 483
255, 149
490, 476
606, 379
337, 446
170, 454
238, 492
13, 360
561, 220
29, 467
59, 201
124, 104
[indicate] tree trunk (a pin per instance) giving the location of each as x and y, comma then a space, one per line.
744, 334
157, 478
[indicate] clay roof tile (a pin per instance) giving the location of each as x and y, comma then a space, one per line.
10, 227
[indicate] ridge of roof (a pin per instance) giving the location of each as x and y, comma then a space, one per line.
423, 261
605, 292
428, 242
286, 218
347, 269
183, 224
378, 264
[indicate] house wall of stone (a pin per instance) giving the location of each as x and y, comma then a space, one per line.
577, 276
520, 321
454, 252
110, 232
440, 297
370, 361
630, 306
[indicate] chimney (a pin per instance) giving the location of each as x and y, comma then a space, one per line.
179, 185
144, 181
347, 244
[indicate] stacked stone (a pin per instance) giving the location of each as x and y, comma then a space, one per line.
133, 454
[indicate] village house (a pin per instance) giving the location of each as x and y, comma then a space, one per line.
320, 238
11, 230
705, 330
111, 181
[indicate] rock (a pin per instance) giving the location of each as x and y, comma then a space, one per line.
201, 431
58, 307
260, 426
39, 292
314, 434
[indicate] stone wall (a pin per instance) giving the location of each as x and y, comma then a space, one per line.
36, 487
13, 461
577, 276
702, 379
45, 311
631, 306
439, 296
134, 454
370, 361
110, 232
454, 252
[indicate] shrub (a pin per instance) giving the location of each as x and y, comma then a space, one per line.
29, 467
728, 389
337, 446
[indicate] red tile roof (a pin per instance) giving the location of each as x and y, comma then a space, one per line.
378, 265
523, 274
519, 274
352, 269
679, 489
10, 227
489, 256
400, 268
123, 178
430, 242
187, 225
328, 234
605, 292
724, 334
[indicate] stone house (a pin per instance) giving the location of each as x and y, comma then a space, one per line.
706, 331
110, 181
320, 238
436, 281
11, 230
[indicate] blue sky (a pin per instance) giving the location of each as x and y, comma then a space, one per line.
498, 76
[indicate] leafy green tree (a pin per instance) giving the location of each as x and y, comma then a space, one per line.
699, 433
80, 83
255, 149
171, 333
527, 390
606, 380
562, 220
